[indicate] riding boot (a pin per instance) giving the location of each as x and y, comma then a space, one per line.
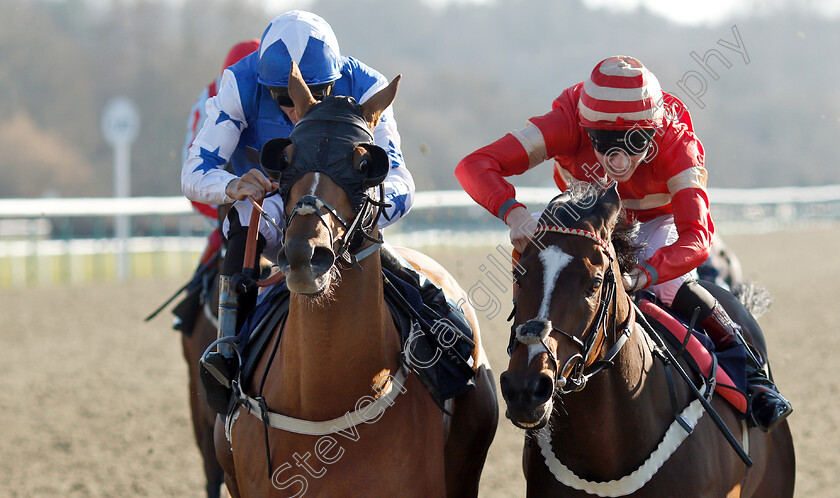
767, 406
237, 297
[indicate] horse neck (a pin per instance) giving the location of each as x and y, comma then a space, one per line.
627, 410
333, 351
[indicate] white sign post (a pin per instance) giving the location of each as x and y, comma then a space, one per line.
120, 125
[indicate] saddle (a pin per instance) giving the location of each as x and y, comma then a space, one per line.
725, 369
437, 341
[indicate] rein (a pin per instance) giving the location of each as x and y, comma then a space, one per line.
312, 204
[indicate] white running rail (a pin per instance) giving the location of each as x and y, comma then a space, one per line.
31, 229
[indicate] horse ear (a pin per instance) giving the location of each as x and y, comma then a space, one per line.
373, 107
299, 92
611, 203
610, 196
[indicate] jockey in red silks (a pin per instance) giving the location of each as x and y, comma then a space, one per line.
197, 116
619, 126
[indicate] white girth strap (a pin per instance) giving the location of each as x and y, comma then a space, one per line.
674, 436
348, 420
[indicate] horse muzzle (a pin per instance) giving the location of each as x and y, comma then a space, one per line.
528, 399
306, 266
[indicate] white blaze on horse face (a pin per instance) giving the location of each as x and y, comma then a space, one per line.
315, 183
534, 350
553, 260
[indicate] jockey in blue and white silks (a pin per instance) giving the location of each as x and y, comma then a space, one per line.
252, 107
243, 115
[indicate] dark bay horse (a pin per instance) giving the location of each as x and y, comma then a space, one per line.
354, 424
586, 385
722, 267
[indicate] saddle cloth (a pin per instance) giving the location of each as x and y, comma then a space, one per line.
730, 376
441, 356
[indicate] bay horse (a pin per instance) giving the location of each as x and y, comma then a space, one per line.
194, 344
337, 359
587, 385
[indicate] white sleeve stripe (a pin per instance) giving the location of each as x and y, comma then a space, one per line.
533, 142
694, 177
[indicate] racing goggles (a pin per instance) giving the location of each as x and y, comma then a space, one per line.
634, 141
280, 94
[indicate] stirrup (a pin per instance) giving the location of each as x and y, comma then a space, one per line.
768, 408
209, 362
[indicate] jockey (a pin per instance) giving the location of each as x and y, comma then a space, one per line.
185, 312
619, 126
253, 106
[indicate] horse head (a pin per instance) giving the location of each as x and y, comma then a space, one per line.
570, 291
327, 170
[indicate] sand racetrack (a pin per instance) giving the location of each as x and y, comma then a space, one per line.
93, 401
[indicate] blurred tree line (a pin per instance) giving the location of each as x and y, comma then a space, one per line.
472, 73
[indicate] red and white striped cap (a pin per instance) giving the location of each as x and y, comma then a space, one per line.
621, 93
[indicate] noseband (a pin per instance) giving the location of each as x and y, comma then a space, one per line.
355, 232
578, 362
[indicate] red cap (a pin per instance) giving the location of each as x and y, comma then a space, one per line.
621, 93
239, 51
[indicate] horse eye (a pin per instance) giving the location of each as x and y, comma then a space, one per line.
594, 286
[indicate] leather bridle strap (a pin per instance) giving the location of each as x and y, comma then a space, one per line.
312, 204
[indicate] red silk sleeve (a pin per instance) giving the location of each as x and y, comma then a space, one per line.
207, 210
695, 228
482, 173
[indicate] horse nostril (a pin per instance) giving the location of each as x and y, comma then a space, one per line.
505, 385
504, 379
322, 260
543, 389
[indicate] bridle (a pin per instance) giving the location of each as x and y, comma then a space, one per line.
355, 233
578, 363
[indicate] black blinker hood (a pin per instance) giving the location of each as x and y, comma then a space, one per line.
324, 142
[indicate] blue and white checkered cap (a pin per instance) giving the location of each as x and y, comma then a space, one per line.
305, 38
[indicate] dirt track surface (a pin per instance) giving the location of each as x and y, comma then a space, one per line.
94, 400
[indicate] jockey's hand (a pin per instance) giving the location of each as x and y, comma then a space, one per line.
253, 184
522, 226
635, 280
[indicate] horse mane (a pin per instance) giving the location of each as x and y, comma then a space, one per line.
584, 201
624, 242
